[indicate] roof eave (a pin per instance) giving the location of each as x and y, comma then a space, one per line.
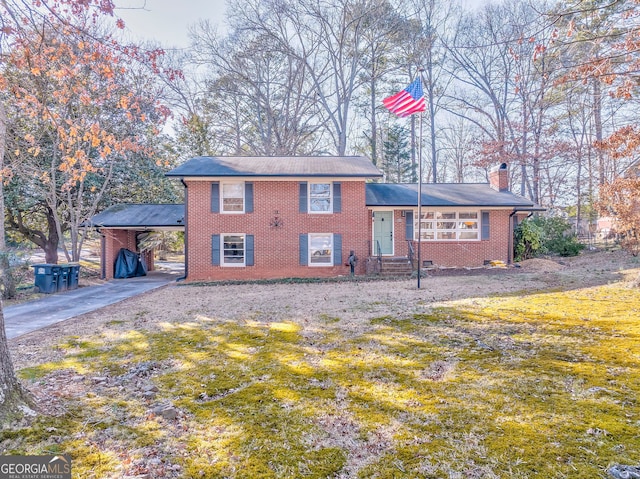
458, 205
301, 175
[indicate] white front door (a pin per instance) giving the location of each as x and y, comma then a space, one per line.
383, 232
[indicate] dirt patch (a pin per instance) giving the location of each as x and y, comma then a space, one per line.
542, 265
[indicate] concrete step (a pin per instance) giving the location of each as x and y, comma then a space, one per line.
396, 266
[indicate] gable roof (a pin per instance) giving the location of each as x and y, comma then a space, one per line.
277, 166
139, 216
443, 194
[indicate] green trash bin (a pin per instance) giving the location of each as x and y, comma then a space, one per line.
74, 274
63, 276
46, 277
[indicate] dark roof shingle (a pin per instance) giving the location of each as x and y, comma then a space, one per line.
138, 216
443, 194
278, 166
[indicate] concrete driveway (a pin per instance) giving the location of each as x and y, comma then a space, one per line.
30, 316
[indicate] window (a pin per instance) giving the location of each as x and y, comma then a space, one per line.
232, 249
233, 253
320, 249
320, 198
232, 198
448, 226
468, 225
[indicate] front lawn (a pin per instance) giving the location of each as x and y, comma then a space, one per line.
531, 385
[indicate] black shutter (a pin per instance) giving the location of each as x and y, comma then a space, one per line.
215, 197
304, 249
215, 250
409, 226
248, 197
337, 197
337, 249
486, 228
303, 197
248, 247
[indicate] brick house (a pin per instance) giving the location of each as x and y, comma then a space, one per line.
278, 217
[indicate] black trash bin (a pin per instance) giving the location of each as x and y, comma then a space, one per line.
46, 277
63, 276
74, 274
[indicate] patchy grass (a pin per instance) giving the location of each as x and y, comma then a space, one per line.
542, 385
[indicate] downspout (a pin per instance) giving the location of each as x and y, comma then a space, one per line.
511, 230
103, 254
186, 232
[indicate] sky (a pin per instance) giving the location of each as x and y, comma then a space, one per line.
168, 21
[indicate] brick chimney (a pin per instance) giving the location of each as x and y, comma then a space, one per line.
499, 177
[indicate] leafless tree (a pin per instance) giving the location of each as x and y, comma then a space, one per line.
503, 62
267, 89
327, 39
386, 32
459, 147
428, 50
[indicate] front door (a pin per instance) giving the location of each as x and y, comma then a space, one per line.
383, 232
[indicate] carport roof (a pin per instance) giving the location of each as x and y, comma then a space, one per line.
443, 194
139, 216
277, 166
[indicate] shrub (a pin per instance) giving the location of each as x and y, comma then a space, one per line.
558, 238
536, 236
528, 240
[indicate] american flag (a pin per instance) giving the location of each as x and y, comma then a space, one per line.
408, 101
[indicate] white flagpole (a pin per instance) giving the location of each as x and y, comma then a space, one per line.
420, 194
420, 70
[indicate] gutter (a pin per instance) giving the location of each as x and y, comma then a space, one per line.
186, 232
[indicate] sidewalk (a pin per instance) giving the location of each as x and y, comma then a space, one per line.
30, 316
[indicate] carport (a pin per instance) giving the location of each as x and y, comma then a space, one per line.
123, 226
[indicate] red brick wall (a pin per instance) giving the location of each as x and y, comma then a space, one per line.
276, 248
148, 259
114, 239
460, 253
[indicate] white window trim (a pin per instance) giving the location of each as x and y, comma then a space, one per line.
309, 256
457, 230
330, 210
222, 197
244, 251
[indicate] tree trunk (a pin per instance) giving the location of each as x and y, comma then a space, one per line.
7, 284
48, 240
51, 253
13, 399
372, 99
597, 118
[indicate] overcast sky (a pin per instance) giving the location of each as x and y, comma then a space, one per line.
168, 21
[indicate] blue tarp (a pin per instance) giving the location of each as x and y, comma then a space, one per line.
128, 265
